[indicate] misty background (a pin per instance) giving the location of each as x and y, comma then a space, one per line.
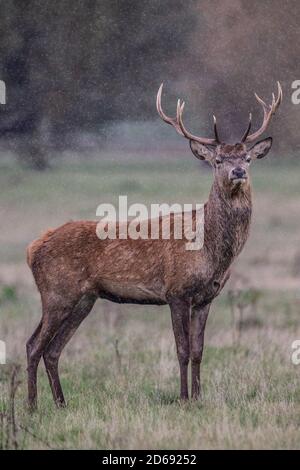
83, 75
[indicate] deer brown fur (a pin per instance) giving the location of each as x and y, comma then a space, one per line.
72, 267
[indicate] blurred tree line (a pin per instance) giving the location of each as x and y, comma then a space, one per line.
75, 65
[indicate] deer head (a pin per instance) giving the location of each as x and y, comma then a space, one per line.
230, 162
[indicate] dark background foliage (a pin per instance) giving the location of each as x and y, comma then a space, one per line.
78, 66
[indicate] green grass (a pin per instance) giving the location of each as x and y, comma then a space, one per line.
129, 399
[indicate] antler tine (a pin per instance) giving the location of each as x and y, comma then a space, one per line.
178, 110
273, 100
177, 122
264, 105
279, 99
245, 135
172, 121
269, 111
215, 129
188, 135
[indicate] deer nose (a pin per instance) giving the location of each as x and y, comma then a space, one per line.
238, 173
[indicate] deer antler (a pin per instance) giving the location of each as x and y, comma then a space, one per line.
177, 122
269, 111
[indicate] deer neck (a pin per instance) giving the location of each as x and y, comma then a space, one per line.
226, 224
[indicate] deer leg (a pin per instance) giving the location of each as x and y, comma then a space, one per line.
35, 346
198, 322
180, 312
55, 347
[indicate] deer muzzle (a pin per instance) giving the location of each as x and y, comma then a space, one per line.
238, 175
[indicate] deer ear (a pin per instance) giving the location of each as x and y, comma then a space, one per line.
201, 151
261, 148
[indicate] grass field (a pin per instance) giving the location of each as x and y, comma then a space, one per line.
120, 372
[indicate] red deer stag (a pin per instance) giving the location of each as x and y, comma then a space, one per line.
72, 267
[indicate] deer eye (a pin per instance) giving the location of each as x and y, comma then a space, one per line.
248, 158
218, 160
